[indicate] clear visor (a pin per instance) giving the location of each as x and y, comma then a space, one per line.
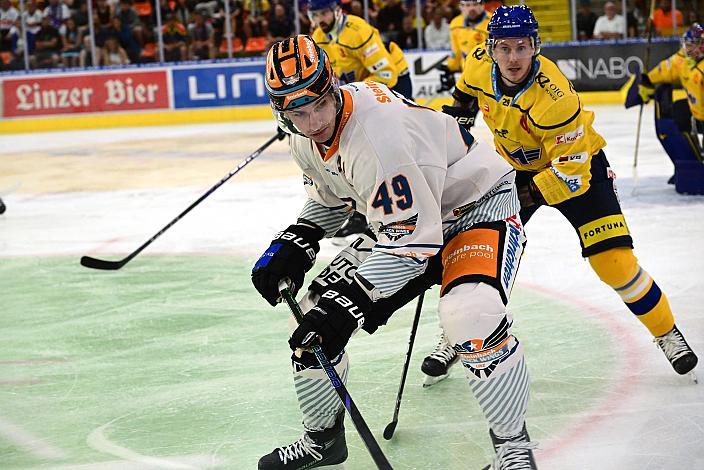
511, 48
310, 112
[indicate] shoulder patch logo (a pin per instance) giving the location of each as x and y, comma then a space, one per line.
395, 230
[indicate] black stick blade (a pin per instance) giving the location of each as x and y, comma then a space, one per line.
389, 430
101, 264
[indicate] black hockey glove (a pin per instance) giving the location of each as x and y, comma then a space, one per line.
528, 192
382, 309
290, 255
447, 78
464, 115
341, 310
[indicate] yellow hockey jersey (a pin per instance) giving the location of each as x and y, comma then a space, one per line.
357, 53
542, 129
679, 69
464, 37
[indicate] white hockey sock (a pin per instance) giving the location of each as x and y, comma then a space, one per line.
504, 398
317, 398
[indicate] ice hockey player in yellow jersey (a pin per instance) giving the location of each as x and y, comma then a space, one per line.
356, 50
541, 129
467, 30
678, 124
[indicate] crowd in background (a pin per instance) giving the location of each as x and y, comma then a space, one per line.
58, 31
605, 19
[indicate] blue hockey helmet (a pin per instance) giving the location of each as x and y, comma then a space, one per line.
315, 5
515, 21
693, 41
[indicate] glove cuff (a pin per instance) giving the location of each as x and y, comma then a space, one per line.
304, 237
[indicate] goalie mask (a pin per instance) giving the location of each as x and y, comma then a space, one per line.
693, 42
298, 73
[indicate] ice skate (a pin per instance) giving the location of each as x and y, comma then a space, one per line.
436, 366
678, 352
513, 453
313, 449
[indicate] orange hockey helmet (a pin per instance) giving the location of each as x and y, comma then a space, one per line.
298, 72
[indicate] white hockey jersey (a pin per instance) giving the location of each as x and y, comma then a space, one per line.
411, 170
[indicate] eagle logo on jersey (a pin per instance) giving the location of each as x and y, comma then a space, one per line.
524, 156
397, 230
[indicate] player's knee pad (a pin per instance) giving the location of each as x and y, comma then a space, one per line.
477, 324
615, 266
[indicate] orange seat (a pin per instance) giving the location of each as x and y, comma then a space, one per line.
6, 57
149, 50
256, 44
143, 8
236, 45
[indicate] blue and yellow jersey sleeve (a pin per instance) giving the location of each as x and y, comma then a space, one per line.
464, 38
678, 69
358, 53
543, 129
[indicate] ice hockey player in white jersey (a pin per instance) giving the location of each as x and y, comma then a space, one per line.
428, 188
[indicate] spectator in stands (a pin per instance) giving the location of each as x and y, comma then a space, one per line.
610, 25
174, 36
178, 8
104, 12
408, 36
662, 19
8, 16
17, 47
71, 41
58, 13
80, 15
389, 19
280, 24
125, 37
130, 19
47, 45
437, 33
113, 54
636, 19
85, 58
256, 24
356, 8
586, 19
33, 22
201, 33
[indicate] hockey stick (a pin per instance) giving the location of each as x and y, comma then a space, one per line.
95, 263
357, 419
391, 427
646, 63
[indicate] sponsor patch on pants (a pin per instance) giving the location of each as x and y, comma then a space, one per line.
471, 253
611, 226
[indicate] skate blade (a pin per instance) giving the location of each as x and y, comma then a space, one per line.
430, 381
693, 377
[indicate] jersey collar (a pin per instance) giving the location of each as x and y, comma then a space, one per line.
498, 94
334, 35
472, 23
347, 108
